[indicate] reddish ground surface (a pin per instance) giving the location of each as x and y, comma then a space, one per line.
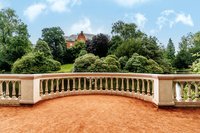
97, 114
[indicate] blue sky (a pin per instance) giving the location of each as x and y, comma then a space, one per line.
161, 18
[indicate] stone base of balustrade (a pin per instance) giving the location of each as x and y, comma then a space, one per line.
187, 104
97, 92
9, 102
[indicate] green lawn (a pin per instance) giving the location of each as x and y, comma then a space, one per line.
66, 68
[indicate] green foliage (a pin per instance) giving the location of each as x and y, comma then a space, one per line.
140, 64
84, 62
196, 66
14, 42
74, 52
170, 51
183, 59
42, 46
123, 60
92, 63
126, 30
115, 42
98, 45
54, 37
35, 62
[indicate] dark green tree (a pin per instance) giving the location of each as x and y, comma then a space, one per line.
42, 46
14, 39
54, 37
170, 51
98, 45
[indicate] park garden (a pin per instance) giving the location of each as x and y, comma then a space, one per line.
126, 50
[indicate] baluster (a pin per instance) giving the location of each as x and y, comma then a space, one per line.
182, 92
111, 82
95, 84
106, 84
127, 85
138, 86
133, 85
1, 89
79, 84
68, 84
101, 85
52, 87
143, 87
74, 85
152, 88
90, 86
7, 89
57, 85
189, 92
41, 87
196, 92
122, 88
148, 87
85, 85
13, 91
117, 85
19, 90
62, 87
174, 90
46, 87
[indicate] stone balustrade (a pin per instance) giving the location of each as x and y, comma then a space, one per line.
162, 90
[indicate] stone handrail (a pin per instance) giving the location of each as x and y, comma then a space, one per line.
162, 90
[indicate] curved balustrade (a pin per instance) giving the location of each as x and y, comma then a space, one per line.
125, 86
162, 90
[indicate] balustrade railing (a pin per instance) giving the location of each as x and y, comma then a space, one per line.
162, 90
68, 85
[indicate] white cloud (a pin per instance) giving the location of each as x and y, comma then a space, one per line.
33, 11
140, 20
84, 25
184, 19
130, 3
62, 5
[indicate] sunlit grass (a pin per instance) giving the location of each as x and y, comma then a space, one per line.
66, 68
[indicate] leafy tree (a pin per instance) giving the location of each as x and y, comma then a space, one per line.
74, 52
42, 46
54, 36
14, 39
140, 64
126, 30
98, 45
183, 59
35, 62
122, 61
170, 51
115, 42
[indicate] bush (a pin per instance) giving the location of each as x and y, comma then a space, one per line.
122, 61
92, 63
140, 64
35, 62
83, 63
196, 66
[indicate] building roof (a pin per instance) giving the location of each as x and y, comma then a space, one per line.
73, 37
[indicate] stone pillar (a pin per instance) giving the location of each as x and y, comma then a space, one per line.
29, 89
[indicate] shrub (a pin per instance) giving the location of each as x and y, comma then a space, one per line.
92, 63
83, 63
35, 62
140, 64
